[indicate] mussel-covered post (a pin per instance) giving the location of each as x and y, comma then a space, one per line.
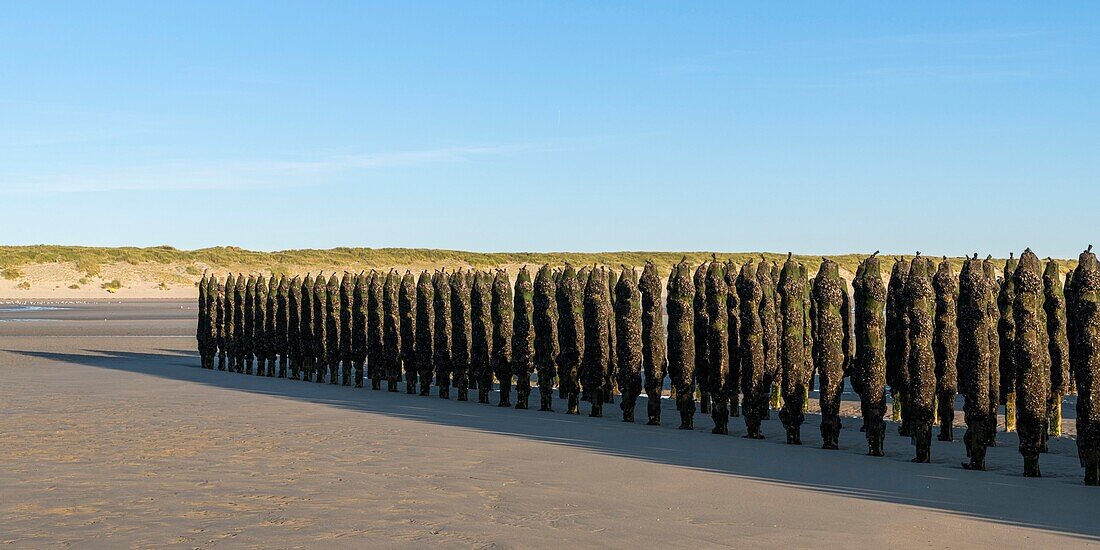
628, 341
974, 363
461, 329
920, 301
523, 336
829, 294
441, 300
870, 365
792, 348
481, 334
596, 352
1032, 358
654, 361
681, 341
570, 302
407, 306
1085, 356
897, 341
545, 321
503, 317
1006, 336
945, 346
1054, 304
753, 382
718, 346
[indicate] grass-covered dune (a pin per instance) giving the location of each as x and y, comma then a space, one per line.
52, 270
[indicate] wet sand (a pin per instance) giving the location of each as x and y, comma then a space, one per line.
111, 436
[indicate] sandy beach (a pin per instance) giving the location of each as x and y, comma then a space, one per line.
114, 437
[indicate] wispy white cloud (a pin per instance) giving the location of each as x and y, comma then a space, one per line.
222, 175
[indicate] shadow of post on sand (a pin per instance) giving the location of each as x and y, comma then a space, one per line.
1058, 505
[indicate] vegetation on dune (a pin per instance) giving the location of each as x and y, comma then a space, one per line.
90, 260
87, 264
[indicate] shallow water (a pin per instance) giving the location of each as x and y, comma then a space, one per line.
13, 308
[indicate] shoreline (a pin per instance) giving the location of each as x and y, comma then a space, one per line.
84, 301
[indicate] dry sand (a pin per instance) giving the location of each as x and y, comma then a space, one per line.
111, 436
63, 281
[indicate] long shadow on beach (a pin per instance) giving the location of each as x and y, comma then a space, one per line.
1058, 502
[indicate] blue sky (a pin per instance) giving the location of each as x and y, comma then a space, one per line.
817, 127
